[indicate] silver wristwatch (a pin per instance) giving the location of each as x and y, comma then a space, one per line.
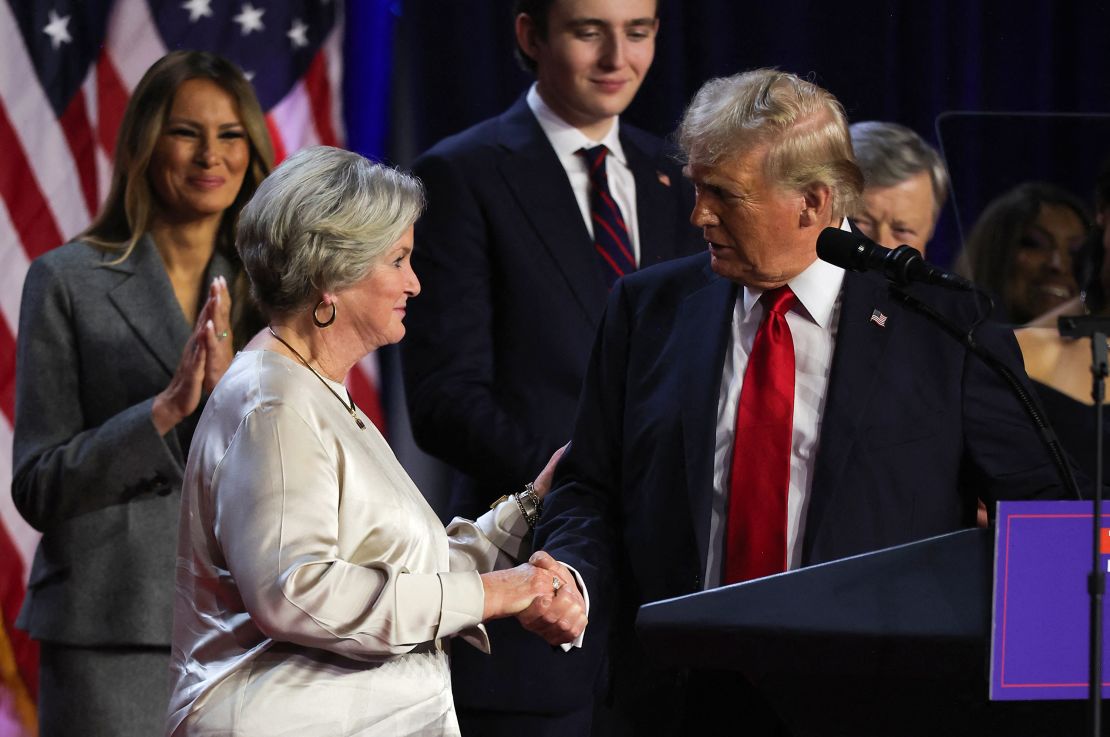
530, 505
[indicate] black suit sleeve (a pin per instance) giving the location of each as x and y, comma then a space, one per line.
581, 515
1005, 458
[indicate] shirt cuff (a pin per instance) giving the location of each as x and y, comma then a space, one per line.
577, 642
462, 602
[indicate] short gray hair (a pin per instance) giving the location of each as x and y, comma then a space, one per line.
889, 154
803, 123
319, 223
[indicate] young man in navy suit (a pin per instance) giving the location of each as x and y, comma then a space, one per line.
753, 409
516, 265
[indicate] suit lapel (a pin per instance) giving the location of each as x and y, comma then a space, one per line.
703, 322
857, 362
146, 302
539, 183
655, 205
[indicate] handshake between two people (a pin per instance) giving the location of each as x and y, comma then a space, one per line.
542, 593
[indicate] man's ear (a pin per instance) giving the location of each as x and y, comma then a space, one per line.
816, 205
527, 36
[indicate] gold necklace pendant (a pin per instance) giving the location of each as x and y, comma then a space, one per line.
349, 407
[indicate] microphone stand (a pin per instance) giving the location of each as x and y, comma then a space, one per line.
1095, 328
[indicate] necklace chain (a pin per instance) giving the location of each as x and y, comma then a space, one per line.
350, 408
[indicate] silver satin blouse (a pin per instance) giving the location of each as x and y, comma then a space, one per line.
315, 585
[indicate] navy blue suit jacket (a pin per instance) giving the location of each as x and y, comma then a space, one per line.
512, 295
914, 429
498, 341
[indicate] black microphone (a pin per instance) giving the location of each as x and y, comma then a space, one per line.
901, 265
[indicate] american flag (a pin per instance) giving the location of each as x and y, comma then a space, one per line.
66, 70
878, 318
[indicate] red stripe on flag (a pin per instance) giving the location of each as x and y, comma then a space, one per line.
27, 206
78, 132
366, 396
7, 373
276, 139
319, 93
1104, 541
24, 649
111, 96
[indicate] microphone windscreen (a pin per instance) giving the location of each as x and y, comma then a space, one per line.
843, 248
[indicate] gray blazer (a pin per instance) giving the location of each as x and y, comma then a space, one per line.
96, 344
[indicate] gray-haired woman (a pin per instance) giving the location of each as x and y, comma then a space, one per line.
315, 586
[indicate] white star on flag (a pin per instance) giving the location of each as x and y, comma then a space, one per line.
198, 9
58, 30
298, 34
250, 18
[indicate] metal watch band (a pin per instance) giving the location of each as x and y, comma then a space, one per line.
530, 505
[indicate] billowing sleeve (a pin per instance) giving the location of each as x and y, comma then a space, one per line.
62, 467
494, 541
276, 514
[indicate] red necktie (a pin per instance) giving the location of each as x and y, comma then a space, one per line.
759, 480
611, 240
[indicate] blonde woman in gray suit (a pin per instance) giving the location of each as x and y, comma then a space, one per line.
122, 332
316, 589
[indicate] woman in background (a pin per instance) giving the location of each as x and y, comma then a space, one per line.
121, 334
1020, 250
315, 586
1061, 367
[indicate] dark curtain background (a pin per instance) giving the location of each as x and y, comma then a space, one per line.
901, 61
909, 62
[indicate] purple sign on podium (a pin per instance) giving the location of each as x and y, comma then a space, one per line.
1040, 639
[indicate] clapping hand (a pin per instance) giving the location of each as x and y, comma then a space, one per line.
206, 357
216, 313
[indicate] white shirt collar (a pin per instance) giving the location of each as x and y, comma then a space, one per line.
816, 288
564, 137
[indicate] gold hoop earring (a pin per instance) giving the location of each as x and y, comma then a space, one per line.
329, 321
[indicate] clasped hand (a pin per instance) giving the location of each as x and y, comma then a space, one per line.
207, 354
555, 612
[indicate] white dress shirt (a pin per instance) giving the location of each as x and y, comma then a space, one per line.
567, 141
813, 323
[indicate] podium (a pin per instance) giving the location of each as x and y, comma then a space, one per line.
889, 643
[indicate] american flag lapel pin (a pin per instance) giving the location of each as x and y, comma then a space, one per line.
878, 318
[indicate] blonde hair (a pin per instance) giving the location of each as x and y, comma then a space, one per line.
320, 222
803, 126
131, 204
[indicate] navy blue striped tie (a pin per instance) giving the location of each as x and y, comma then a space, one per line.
611, 240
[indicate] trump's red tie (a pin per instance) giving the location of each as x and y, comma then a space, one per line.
759, 479
611, 239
